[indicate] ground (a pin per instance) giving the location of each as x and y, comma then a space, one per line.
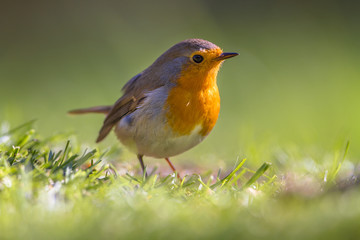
52, 188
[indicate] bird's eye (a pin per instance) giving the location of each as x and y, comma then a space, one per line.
198, 58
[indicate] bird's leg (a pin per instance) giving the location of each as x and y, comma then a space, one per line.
170, 164
172, 167
140, 157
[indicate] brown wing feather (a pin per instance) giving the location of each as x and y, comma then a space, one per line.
134, 93
121, 108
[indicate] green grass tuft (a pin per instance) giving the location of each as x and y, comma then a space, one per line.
63, 192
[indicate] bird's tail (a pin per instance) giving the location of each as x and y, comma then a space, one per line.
97, 109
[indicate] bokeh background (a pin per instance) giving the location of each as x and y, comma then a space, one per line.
295, 82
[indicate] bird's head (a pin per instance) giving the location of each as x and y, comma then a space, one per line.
191, 62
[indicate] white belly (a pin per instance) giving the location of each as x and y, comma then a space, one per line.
145, 131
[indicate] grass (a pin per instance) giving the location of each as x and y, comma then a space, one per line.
52, 188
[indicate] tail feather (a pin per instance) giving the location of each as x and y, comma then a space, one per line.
97, 109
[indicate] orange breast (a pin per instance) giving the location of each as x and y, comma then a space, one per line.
194, 101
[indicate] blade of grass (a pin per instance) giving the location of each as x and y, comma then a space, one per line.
226, 179
331, 174
89, 170
66, 150
342, 160
132, 178
257, 174
29, 123
25, 138
266, 184
84, 158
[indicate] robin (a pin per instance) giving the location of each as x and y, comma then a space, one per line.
169, 107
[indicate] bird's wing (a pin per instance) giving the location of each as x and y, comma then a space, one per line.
134, 93
97, 109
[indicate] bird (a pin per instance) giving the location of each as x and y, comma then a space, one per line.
169, 107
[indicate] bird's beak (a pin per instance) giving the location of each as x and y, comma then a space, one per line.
226, 55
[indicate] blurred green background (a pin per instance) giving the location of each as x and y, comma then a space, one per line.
296, 81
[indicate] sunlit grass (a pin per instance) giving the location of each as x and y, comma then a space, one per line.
65, 191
